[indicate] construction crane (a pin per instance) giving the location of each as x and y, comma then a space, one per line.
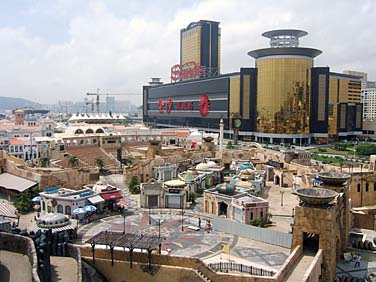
97, 102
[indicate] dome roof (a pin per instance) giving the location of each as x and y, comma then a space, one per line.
188, 177
195, 133
202, 166
52, 220
211, 164
246, 165
226, 188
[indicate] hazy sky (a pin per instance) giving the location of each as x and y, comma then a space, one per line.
61, 49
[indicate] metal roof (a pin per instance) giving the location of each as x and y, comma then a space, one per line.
17, 183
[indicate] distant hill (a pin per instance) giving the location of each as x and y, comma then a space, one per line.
8, 103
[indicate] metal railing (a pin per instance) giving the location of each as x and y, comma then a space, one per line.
238, 267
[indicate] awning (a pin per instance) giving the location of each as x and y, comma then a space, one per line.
96, 200
13, 182
6, 212
112, 196
71, 226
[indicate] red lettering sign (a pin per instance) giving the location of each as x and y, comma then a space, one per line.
170, 103
204, 105
160, 105
188, 70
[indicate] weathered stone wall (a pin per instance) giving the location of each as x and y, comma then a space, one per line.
364, 220
23, 245
289, 264
314, 270
75, 252
324, 223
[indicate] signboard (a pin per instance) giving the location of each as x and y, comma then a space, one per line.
169, 104
189, 70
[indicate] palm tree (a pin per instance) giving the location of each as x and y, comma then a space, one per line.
100, 163
44, 161
73, 161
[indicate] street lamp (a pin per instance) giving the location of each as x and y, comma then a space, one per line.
159, 229
149, 214
123, 214
182, 219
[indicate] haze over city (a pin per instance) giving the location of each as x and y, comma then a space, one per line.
59, 50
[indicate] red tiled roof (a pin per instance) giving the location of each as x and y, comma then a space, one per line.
16, 142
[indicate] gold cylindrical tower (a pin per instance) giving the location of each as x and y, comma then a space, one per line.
283, 85
283, 94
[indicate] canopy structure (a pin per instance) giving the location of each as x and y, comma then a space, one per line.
15, 183
96, 200
6, 212
127, 240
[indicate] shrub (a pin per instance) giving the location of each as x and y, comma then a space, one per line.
192, 197
134, 188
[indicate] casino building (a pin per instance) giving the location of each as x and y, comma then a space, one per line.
283, 98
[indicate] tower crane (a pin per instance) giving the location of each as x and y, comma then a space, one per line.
97, 102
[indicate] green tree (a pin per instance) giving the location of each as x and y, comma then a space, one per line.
100, 163
229, 145
44, 161
73, 161
134, 188
192, 197
366, 149
23, 201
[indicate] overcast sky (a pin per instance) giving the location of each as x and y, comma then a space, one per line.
61, 49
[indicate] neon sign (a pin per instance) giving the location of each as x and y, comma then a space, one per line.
188, 70
169, 104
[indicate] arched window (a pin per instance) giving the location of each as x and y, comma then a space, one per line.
78, 131
60, 209
49, 209
68, 210
358, 187
99, 130
89, 131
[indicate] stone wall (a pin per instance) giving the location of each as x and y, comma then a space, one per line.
75, 252
314, 270
23, 245
289, 264
68, 178
165, 268
364, 220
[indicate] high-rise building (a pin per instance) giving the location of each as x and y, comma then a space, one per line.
200, 42
283, 98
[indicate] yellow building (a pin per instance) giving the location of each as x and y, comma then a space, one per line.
200, 42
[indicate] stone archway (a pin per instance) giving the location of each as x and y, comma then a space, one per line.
222, 208
213, 209
206, 206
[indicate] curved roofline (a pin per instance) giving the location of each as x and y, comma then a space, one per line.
294, 32
289, 51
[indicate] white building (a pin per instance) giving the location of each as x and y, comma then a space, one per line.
63, 200
369, 103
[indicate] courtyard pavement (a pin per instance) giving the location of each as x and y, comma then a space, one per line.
200, 243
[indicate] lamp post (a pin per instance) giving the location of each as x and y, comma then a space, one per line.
123, 214
159, 228
182, 219
149, 214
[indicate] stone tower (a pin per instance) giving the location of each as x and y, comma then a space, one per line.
322, 221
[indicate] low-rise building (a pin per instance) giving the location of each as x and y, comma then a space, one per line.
63, 200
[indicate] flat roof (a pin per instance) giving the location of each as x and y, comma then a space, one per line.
286, 51
17, 183
279, 32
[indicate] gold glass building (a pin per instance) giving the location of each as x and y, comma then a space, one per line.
200, 42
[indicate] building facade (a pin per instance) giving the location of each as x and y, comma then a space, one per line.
200, 42
284, 98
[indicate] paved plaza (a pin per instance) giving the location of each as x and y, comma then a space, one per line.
201, 243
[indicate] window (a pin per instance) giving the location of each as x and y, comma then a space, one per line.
367, 187
49, 209
261, 213
374, 187
68, 210
358, 188
59, 208
251, 215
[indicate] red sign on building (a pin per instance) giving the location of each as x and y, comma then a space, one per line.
189, 70
168, 105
